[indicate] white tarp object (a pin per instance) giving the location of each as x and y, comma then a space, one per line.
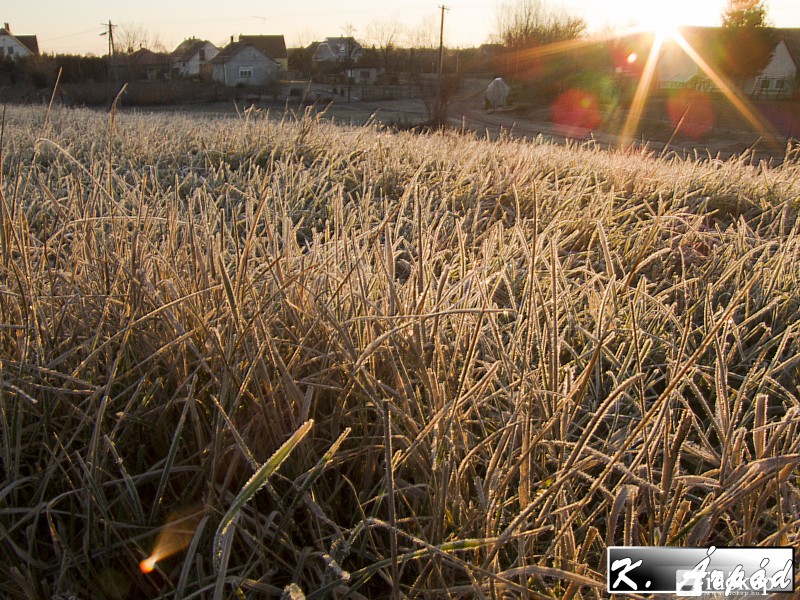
497, 93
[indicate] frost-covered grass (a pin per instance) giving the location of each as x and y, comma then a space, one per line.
496, 358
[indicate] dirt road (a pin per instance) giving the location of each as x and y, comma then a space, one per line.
467, 112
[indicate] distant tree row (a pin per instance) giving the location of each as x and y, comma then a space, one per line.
41, 71
403, 60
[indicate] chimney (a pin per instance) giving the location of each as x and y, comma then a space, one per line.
7, 28
231, 39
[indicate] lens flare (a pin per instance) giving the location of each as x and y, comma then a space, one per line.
576, 111
691, 113
632, 58
640, 98
662, 19
173, 537
738, 102
148, 564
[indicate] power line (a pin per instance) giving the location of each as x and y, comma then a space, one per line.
70, 35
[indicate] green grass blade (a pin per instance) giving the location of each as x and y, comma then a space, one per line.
255, 483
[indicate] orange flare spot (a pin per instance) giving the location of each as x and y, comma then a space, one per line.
173, 537
632, 58
148, 564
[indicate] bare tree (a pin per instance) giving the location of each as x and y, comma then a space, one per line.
305, 38
421, 43
425, 35
384, 33
130, 37
529, 23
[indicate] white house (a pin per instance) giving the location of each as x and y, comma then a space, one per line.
779, 77
15, 47
675, 69
192, 56
336, 49
242, 64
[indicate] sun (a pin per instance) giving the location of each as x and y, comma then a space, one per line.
663, 20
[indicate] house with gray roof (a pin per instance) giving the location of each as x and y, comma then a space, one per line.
273, 46
240, 64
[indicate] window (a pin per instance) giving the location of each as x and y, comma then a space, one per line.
764, 84
202, 54
245, 72
780, 83
10, 50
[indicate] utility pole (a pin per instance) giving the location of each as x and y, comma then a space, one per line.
110, 33
350, 46
439, 118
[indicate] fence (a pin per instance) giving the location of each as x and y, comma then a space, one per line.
375, 93
154, 93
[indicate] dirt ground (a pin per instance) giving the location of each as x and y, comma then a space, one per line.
725, 135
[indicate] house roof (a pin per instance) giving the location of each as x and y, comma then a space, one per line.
187, 49
340, 45
231, 50
145, 57
29, 41
791, 37
273, 46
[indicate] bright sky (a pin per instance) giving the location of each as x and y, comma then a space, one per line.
74, 27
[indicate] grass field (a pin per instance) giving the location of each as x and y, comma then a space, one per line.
294, 358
